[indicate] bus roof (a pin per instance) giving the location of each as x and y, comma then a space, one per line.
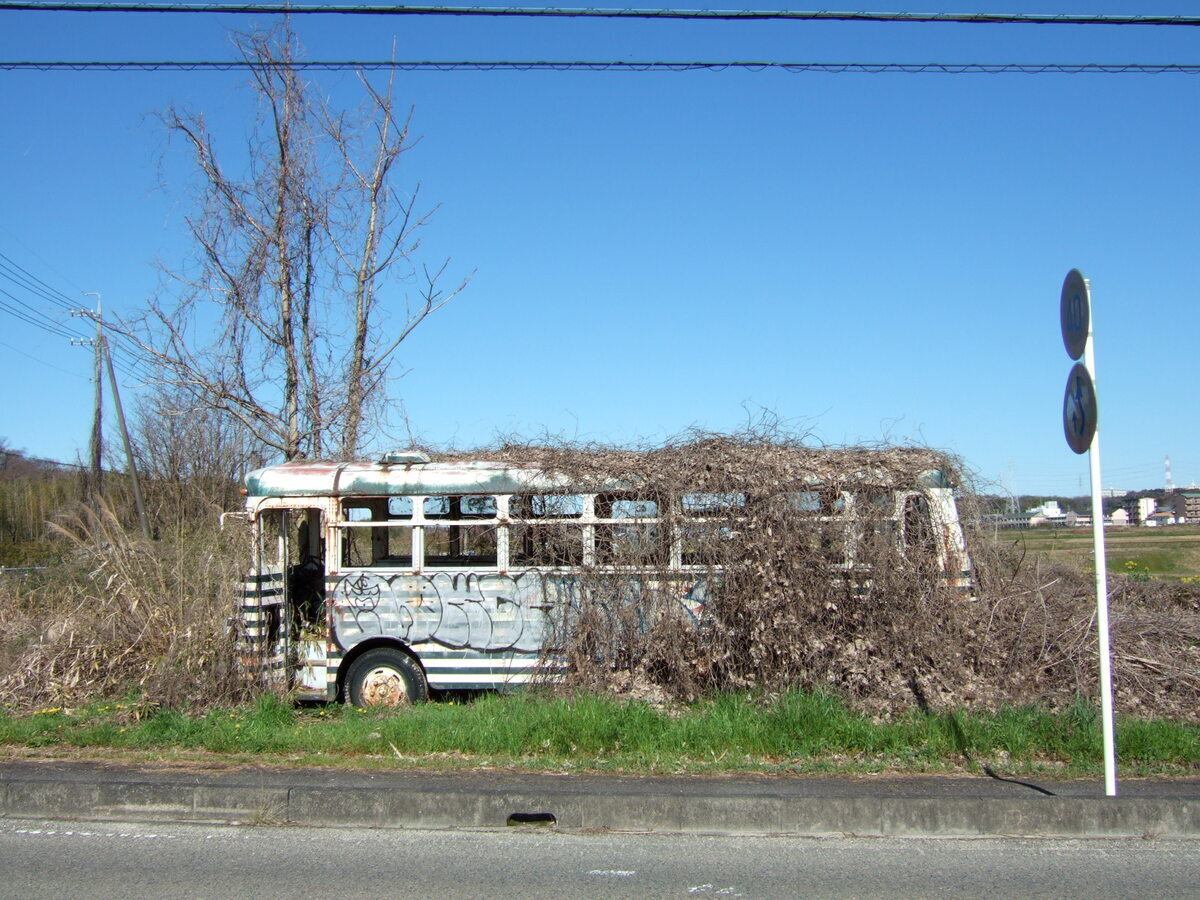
359, 479
383, 479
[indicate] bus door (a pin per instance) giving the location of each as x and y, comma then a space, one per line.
308, 629
284, 607
264, 605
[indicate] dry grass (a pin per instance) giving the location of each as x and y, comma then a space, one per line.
820, 598
783, 606
1041, 637
125, 617
888, 632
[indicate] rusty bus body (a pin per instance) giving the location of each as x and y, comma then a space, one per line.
375, 582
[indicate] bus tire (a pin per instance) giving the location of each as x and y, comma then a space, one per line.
385, 677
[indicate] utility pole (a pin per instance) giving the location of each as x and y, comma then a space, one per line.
96, 450
104, 354
133, 476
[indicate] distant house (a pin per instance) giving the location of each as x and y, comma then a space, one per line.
1119, 517
1008, 520
1050, 510
1141, 509
1049, 513
1160, 518
1187, 506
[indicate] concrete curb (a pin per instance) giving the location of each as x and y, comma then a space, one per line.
412, 800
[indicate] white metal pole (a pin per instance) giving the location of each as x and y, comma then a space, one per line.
1106, 699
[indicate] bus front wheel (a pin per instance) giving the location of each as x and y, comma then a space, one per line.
385, 677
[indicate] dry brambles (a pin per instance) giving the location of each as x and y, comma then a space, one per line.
826, 593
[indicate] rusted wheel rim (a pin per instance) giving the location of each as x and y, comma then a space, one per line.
384, 686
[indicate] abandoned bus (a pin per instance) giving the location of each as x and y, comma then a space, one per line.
376, 582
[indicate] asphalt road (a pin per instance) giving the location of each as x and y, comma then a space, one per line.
127, 860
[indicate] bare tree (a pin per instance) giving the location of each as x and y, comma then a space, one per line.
193, 458
280, 321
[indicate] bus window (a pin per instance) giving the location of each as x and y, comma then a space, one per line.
397, 551
708, 505
919, 533
469, 546
400, 507
377, 547
700, 543
826, 502
630, 544
384, 545
625, 542
625, 506
356, 547
545, 506
358, 514
478, 507
545, 545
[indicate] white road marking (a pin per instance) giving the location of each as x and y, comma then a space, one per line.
139, 836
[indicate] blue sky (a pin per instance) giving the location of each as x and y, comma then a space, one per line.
869, 257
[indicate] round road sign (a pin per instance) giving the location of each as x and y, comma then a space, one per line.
1079, 409
1075, 313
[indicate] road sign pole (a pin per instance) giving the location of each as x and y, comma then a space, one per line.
1106, 698
1080, 415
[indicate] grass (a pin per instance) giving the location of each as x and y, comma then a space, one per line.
1171, 551
795, 733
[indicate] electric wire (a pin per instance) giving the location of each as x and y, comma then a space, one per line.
291, 9
38, 359
32, 283
125, 360
34, 316
31, 320
872, 68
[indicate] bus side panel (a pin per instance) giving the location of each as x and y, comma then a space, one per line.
481, 670
952, 544
262, 641
487, 612
470, 630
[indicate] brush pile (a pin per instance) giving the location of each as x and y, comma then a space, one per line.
125, 618
812, 574
808, 568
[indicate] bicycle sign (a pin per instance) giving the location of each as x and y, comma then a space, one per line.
1079, 409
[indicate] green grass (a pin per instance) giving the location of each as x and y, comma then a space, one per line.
1171, 551
796, 732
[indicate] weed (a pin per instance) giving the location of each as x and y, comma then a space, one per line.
737, 732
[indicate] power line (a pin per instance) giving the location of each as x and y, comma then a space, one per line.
19, 454
25, 317
130, 366
30, 282
33, 316
568, 13
873, 68
38, 359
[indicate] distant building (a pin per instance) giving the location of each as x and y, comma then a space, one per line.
1160, 518
1119, 517
1049, 513
1187, 506
1008, 520
1141, 509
